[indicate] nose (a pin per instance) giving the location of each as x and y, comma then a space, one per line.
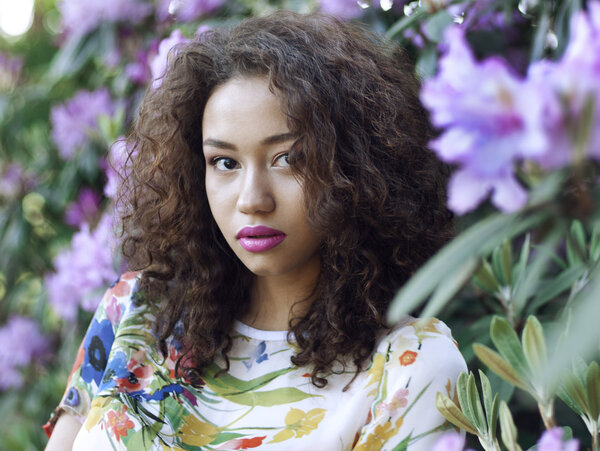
255, 194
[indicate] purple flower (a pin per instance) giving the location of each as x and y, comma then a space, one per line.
73, 120
138, 71
21, 343
158, 65
84, 267
10, 69
342, 9
14, 180
187, 10
114, 169
450, 441
79, 17
552, 440
491, 120
572, 93
84, 209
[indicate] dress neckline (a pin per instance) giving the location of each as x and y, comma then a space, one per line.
259, 334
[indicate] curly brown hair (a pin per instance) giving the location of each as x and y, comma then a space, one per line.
372, 188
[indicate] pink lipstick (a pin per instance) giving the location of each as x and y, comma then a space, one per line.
259, 238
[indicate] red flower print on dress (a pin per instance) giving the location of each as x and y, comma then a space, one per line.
243, 443
121, 288
139, 374
408, 358
119, 423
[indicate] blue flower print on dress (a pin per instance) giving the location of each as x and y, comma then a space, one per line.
97, 344
115, 368
258, 355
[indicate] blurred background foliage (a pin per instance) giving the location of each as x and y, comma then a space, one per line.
513, 87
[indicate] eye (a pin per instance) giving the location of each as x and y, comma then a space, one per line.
283, 160
223, 163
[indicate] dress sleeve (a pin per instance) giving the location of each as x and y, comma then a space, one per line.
87, 375
415, 362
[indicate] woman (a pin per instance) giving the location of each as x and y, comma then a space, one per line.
280, 192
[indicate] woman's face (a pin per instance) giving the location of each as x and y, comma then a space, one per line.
256, 200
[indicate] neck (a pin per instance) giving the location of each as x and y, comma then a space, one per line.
274, 300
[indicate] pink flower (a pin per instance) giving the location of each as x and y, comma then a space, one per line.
342, 9
74, 120
491, 119
21, 343
86, 266
84, 209
158, 65
450, 441
81, 17
552, 440
114, 169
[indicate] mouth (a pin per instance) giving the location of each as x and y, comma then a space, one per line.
259, 238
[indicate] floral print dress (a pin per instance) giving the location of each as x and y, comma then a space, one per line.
127, 396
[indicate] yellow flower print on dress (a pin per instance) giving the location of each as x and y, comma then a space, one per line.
375, 372
377, 438
196, 432
97, 409
298, 423
423, 327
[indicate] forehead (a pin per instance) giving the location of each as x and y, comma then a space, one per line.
244, 105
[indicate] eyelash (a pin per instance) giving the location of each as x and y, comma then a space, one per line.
215, 161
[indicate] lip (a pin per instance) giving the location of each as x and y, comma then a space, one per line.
259, 238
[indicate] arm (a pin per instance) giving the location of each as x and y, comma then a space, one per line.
64, 433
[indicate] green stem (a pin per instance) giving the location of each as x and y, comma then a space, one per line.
594, 433
546, 409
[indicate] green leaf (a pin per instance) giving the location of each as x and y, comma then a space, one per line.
551, 289
534, 346
476, 241
449, 287
499, 366
506, 261
595, 243
507, 342
576, 391
475, 404
508, 429
563, 20
576, 244
593, 389
486, 392
530, 281
453, 414
435, 25
269, 398
539, 40
497, 265
493, 421
427, 62
406, 22
490, 403
463, 398
524, 255
485, 279
570, 402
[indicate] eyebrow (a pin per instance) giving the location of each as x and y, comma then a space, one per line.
268, 141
